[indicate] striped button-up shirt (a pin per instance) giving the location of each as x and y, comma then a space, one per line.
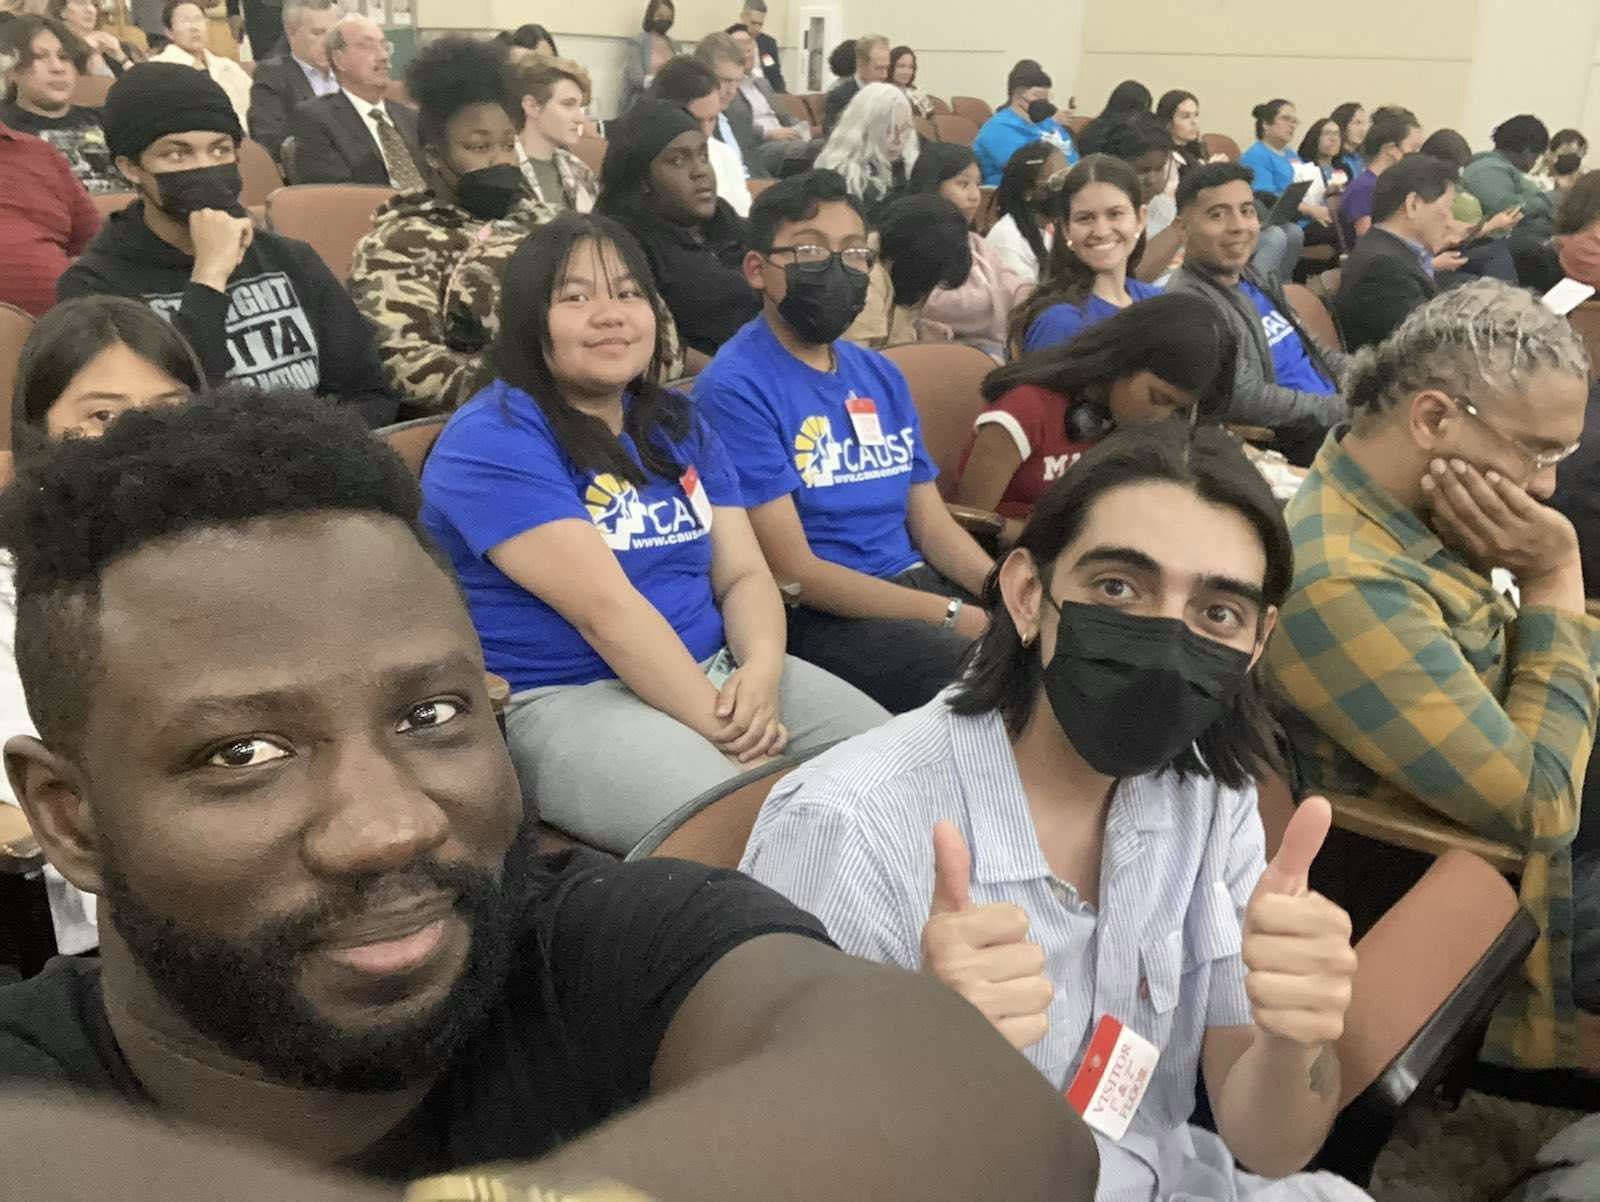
1405, 675
849, 837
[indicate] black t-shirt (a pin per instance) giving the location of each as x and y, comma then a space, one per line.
81, 141
607, 953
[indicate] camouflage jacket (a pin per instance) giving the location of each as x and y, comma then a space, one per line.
427, 277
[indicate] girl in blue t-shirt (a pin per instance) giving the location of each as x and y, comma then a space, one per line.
595, 523
1099, 227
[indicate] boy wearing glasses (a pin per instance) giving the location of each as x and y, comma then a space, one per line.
829, 454
1410, 678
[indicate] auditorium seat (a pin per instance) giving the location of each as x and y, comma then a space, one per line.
107, 203
331, 217
397, 92
758, 186
939, 105
795, 106
954, 127
1221, 144
946, 381
974, 110
592, 151
15, 326
713, 828
816, 103
90, 90
926, 130
261, 175
1314, 315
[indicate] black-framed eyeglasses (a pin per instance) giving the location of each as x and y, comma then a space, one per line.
812, 258
1535, 460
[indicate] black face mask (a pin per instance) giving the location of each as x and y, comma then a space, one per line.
490, 193
1566, 164
820, 305
1041, 110
660, 27
1133, 692
182, 193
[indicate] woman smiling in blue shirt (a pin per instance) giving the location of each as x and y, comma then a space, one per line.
595, 523
1099, 228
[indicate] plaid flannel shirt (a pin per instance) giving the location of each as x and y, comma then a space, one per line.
1402, 674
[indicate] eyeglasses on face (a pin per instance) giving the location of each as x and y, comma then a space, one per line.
812, 258
1534, 460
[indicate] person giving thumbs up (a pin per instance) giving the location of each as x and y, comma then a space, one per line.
983, 952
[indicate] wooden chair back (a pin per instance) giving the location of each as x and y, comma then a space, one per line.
945, 380
331, 217
261, 175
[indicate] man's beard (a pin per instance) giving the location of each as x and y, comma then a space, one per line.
243, 993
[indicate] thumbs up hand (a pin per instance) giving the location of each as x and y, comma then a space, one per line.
1297, 952
982, 952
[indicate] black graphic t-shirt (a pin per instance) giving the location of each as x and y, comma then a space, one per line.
81, 141
284, 321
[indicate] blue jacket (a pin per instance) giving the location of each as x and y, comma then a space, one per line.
1006, 132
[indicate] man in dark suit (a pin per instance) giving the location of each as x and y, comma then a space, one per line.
768, 66
355, 136
300, 73
1391, 270
872, 66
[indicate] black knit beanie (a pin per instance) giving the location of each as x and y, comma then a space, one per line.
633, 141
152, 100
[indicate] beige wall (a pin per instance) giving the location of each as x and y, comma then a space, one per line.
962, 48
1467, 64
1233, 54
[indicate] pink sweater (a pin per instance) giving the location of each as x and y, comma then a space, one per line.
977, 311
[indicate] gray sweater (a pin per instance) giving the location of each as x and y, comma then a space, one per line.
1258, 399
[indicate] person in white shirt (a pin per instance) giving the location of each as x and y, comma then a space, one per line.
1022, 235
189, 30
1068, 837
86, 362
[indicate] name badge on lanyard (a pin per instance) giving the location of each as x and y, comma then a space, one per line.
1110, 1083
864, 420
696, 492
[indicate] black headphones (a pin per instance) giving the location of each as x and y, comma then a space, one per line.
1089, 422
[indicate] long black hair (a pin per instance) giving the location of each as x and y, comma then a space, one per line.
924, 243
937, 162
1128, 97
71, 334
520, 354
1004, 674
1181, 338
1065, 279
1015, 197
1308, 144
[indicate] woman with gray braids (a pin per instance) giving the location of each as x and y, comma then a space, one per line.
1406, 676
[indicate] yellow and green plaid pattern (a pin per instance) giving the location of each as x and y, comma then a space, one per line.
1402, 674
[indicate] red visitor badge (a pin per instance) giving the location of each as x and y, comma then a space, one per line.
1111, 1081
698, 501
864, 420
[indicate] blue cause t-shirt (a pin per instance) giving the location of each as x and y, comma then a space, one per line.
498, 470
1061, 323
790, 432
1291, 362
